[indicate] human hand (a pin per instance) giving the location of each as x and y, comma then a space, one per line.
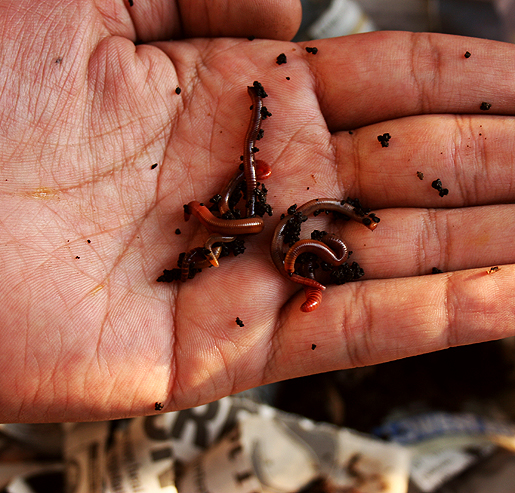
87, 226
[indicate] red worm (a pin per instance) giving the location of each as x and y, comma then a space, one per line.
197, 258
276, 246
225, 227
341, 206
263, 171
313, 299
320, 248
331, 248
210, 252
256, 94
306, 281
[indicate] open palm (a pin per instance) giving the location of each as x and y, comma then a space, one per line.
88, 223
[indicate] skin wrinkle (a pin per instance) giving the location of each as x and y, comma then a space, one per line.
427, 232
463, 134
450, 329
273, 348
482, 157
356, 186
432, 225
357, 350
480, 161
446, 246
316, 84
419, 55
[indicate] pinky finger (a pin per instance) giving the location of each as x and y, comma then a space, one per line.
375, 321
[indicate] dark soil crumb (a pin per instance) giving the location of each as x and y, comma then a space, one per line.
177, 231
265, 113
312, 50
281, 59
359, 209
420, 175
239, 322
437, 185
237, 247
436, 270
154, 166
485, 106
293, 226
347, 273
251, 38
261, 206
384, 139
178, 90
158, 406
291, 210
313, 346
467, 54
260, 89
170, 275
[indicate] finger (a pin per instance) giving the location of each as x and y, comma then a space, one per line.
377, 321
162, 20
380, 76
413, 242
472, 156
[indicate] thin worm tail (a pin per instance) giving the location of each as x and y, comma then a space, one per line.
189, 259
211, 253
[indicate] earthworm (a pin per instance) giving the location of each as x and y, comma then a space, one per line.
263, 171
256, 95
225, 227
323, 249
197, 257
209, 251
343, 207
306, 281
313, 299
313, 294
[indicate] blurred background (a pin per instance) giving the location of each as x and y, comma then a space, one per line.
492, 19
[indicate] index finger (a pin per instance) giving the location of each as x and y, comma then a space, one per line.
367, 78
